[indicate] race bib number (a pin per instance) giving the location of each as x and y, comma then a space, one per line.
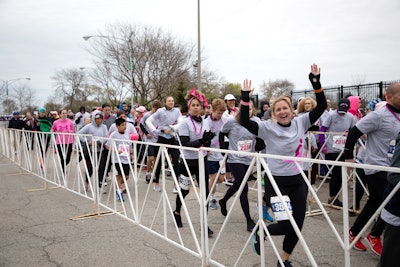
124, 150
392, 145
245, 145
279, 209
339, 141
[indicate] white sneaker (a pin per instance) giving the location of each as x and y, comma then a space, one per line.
157, 188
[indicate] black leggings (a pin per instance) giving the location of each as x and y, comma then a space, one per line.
376, 185
64, 153
172, 151
336, 178
239, 170
294, 187
193, 165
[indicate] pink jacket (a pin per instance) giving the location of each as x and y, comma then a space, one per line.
63, 126
354, 104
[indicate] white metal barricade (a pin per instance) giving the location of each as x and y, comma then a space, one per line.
153, 211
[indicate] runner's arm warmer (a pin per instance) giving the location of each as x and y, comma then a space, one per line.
222, 143
320, 108
185, 141
245, 121
321, 137
143, 129
352, 137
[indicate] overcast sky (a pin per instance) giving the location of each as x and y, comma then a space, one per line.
257, 39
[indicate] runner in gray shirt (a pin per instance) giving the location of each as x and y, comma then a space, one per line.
240, 139
284, 136
168, 119
382, 127
338, 124
150, 137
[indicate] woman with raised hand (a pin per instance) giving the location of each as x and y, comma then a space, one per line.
240, 139
284, 136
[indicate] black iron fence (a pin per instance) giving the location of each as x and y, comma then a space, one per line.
365, 91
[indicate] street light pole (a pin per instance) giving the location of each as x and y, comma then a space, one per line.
198, 48
9, 82
131, 68
87, 37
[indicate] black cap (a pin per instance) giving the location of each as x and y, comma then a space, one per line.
344, 105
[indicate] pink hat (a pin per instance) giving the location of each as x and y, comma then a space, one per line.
141, 109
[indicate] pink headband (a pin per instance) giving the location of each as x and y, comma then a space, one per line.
201, 97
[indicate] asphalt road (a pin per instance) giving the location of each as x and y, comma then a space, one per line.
36, 230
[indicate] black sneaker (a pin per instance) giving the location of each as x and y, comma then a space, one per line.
178, 220
222, 204
286, 263
353, 212
255, 242
250, 225
148, 178
210, 232
337, 202
252, 178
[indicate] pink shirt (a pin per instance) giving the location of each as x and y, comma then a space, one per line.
63, 126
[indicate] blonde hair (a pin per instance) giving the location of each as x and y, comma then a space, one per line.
300, 106
218, 104
279, 99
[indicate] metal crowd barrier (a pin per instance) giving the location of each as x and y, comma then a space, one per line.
153, 211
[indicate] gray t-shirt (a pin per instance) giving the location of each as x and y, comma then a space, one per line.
166, 118
284, 141
194, 130
215, 126
240, 139
154, 136
381, 127
337, 123
122, 144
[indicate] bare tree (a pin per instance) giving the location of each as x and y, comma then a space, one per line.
277, 88
69, 83
9, 105
52, 104
142, 60
24, 97
358, 79
113, 88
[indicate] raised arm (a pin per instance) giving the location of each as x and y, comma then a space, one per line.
314, 77
247, 91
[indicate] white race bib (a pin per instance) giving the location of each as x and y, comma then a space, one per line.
124, 150
245, 145
339, 141
279, 209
